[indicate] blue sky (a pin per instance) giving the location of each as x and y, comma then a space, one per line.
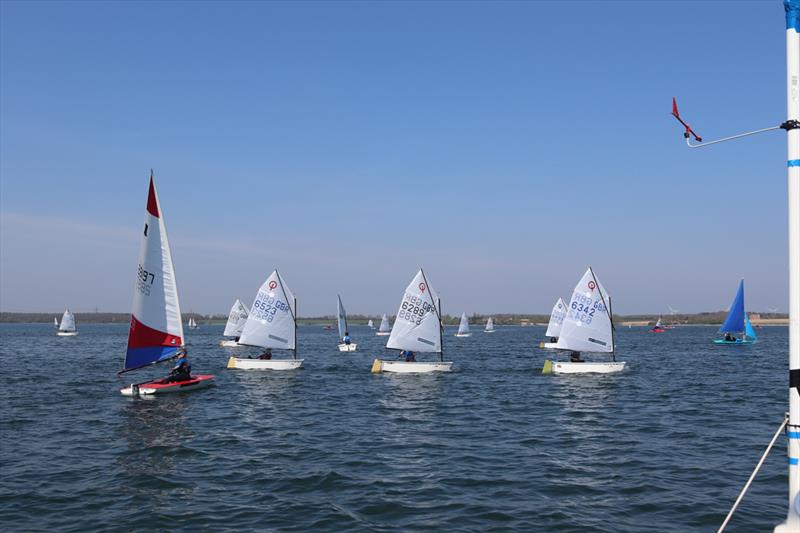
502, 146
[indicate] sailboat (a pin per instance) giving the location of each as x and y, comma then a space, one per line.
370, 325
383, 329
463, 327
418, 329
489, 326
658, 328
554, 326
341, 318
271, 324
55, 322
67, 327
192, 324
156, 331
237, 317
587, 327
737, 322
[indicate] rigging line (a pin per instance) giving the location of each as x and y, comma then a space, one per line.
732, 137
753, 475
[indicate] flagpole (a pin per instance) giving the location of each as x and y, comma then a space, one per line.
792, 8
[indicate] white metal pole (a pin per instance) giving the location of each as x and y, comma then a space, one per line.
792, 7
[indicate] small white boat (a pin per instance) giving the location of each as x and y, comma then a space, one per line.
370, 325
271, 324
156, 330
554, 326
341, 319
192, 323
67, 327
489, 326
383, 329
587, 327
417, 329
237, 317
55, 322
463, 327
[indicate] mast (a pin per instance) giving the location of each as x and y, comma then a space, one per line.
294, 355
607, 305
792, 8
441, 332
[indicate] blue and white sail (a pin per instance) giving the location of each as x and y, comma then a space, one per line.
749, 332
734, 323
557, 316
237, 317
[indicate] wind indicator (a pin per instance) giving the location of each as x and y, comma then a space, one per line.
792, 128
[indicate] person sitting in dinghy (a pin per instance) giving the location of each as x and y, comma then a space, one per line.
729, 337
346, 338
409, 355
267, 354
575, 357
182, 371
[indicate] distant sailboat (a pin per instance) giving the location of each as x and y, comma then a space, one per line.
587, 327
557, 316
737, 322
370, 325
384, 329
156, 331
271, 324
417, 329
55, 322
658, 328
192, 324
237, 317
67, 327
341, 319
489, 326
463, 327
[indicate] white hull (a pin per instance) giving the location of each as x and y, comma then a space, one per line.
348, 347
558, 367
383, 333
416, 367
463, 334
229, 344
264, 364
489, 330
66, 333
548, 345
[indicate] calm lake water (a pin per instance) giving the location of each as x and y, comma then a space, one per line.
664, 446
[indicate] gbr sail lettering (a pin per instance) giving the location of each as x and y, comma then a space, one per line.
413, 309
266, 307
583, 308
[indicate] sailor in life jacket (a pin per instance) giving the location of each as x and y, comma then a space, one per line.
182, 371
346, 338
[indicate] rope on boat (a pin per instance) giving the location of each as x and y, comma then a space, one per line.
753, 475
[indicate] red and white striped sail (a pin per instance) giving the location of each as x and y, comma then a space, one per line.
156, 330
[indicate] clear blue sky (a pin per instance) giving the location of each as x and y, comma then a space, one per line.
502, 146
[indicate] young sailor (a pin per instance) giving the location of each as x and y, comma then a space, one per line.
346, 338
182, 371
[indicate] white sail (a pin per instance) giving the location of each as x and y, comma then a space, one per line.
341, 317
417, 326
55, 322
271, 322
236, 319
556, 319
587, 326
369, 324
490, 324
67, 322
658, 323
463, 326
384, 327
192, 323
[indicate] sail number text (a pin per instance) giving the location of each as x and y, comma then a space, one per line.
583, 308
265, 307
414, 309
144, 281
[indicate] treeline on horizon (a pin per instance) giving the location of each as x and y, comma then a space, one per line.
507, 319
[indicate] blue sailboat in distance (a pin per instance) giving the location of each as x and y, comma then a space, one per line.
737, 328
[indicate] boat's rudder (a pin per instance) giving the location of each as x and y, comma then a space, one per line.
377, 366
548, 367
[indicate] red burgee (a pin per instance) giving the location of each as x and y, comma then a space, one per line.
152, 203
141, 336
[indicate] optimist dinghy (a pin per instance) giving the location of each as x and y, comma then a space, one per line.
658, 328
271, 324
463, 327
554, 326
587, 327
67, 327
341, 318
418, 329
370, 325
233, 328
383, 329
737, 323
55, 322
489, 326
156, 331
